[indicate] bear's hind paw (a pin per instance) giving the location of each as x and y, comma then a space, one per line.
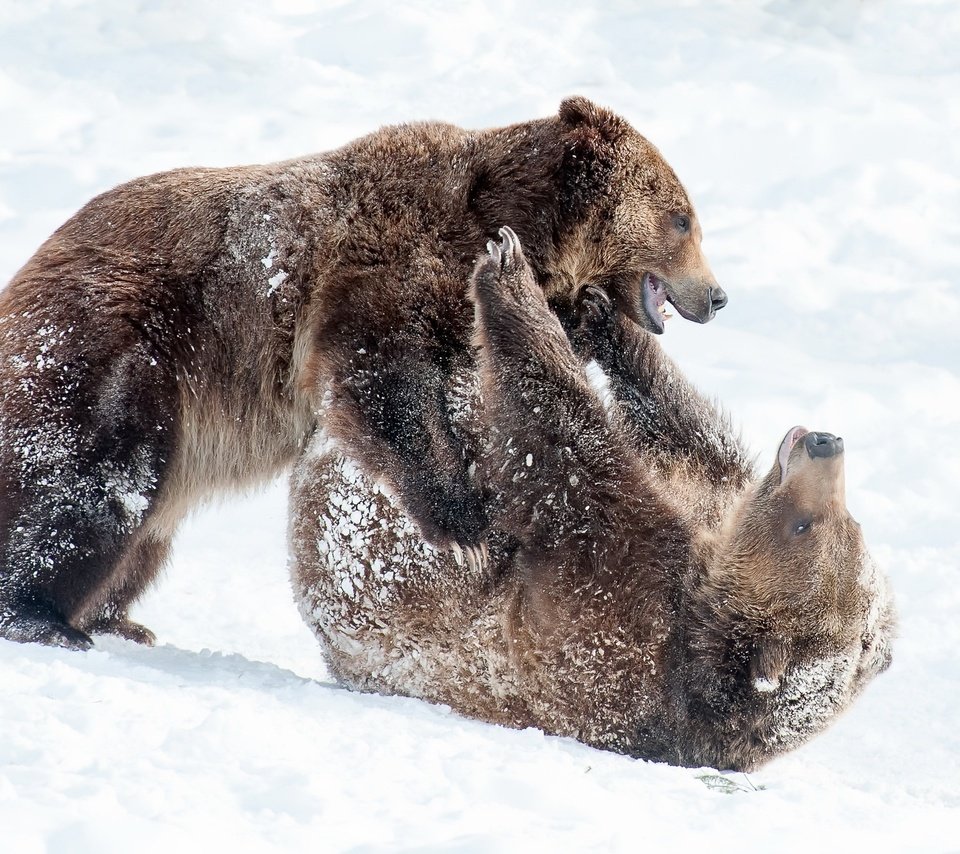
49, 632
124, 628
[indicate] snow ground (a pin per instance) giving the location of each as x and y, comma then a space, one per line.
819, 142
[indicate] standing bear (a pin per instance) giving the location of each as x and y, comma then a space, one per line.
647, 592
182, 334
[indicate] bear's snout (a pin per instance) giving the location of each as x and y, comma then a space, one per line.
718, 299
823, 445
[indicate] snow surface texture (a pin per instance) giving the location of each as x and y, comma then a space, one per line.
819, 143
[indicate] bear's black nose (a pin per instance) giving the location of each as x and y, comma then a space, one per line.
718, 299
823, 444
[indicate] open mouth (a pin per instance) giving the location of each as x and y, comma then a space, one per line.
794, 435
654, 297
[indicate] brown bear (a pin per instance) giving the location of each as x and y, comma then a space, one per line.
183, 333
646, 593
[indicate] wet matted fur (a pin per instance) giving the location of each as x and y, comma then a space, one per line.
647, 591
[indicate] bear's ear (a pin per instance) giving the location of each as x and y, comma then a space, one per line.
577, 112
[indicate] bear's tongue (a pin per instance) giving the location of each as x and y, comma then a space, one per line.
654, 301
794, 435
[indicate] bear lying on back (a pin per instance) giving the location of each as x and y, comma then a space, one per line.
649, 593
183, 333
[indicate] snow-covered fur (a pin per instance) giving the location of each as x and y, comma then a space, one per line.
646, 592
182, 334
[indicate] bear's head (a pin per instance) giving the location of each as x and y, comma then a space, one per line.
638, 236
791, 559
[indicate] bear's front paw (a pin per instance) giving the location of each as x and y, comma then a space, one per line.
507, 254
457, 524
504, 274
595, 305
475, 556
594, 335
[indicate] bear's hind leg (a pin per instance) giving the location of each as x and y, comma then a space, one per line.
135, 572
83, 454
62, 554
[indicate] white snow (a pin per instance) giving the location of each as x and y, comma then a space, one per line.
276, 280
271, 256
600, 383
819, 143
765, 685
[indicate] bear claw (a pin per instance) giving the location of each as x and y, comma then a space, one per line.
596, 304
504, 254
509, 245
596, 294
475, 557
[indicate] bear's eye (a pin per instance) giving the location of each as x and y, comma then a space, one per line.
683, 223
802, 526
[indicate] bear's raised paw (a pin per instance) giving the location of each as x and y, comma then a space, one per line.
504, 273
507, 254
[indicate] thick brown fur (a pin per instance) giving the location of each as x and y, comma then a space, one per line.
183, 334
647, 592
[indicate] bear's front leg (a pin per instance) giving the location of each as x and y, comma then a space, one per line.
558, 469
388, 408
665, 413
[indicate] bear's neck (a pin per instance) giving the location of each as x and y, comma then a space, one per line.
732, 663
523, 177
